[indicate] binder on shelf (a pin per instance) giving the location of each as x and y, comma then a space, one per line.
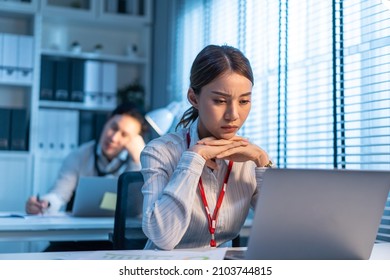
100, 121
92, 83
61, 83
1, 57
130, 7
91, 125
19, 130
25, 58
51, 126
69, 121
137, 7
122, 6
112, 7
109, 74
47, 78
77, 80
47, 128
86, 129
57, 131
109, 84
109, 100
60, 137
10, 57
42, 131
5, 117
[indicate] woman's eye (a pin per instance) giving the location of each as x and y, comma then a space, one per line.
219, 101
245, 102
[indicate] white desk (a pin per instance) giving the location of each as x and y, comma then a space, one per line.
381, 251
61, 228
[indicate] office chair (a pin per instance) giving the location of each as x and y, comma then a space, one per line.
128, 234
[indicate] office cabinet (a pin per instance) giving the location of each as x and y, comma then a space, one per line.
58, 60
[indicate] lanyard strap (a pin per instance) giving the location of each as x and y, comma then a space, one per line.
212, 219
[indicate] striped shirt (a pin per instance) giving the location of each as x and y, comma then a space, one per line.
173, 214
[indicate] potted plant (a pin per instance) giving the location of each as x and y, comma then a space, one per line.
133, 92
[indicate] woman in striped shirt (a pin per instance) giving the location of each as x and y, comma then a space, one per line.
201, 180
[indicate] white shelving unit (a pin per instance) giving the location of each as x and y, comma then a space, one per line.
16, 20
118, 26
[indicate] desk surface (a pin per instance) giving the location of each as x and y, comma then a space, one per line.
64, 227
59, 228
381, 251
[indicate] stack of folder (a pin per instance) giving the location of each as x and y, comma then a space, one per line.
16, 58
92, 82
57, 131
61, 131
14, 129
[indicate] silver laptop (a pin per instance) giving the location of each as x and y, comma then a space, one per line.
95, 197
318, 214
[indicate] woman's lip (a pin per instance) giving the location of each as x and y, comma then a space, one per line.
229, 128
108, 145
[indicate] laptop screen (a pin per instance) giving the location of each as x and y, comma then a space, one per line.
318, 214
95, 197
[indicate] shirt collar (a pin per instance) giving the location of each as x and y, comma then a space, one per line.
194, 133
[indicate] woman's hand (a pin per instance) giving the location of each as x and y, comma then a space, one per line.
209, 148
135, 147
35, 206
238, 153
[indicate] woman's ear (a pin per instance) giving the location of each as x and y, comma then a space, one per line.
192, 98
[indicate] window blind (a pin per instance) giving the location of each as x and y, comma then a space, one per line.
262, 49
364, 113
223, 27
366, 86
188, 41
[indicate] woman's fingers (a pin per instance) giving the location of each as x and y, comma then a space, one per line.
211, 164
227, 153
211, 141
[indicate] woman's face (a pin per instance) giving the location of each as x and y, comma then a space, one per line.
117, 133
223, 105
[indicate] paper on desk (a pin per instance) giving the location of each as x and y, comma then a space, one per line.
180, 254
28, 216
108, 201
12, 215
47, 215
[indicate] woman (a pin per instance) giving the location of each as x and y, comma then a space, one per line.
117, 150
201, 180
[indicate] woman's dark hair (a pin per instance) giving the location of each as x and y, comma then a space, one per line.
212, 62
132, 110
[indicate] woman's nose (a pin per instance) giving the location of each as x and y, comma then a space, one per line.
231, 113
115, 136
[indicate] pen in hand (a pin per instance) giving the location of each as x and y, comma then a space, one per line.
40, 203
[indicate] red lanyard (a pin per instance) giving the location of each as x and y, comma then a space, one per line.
212, 220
